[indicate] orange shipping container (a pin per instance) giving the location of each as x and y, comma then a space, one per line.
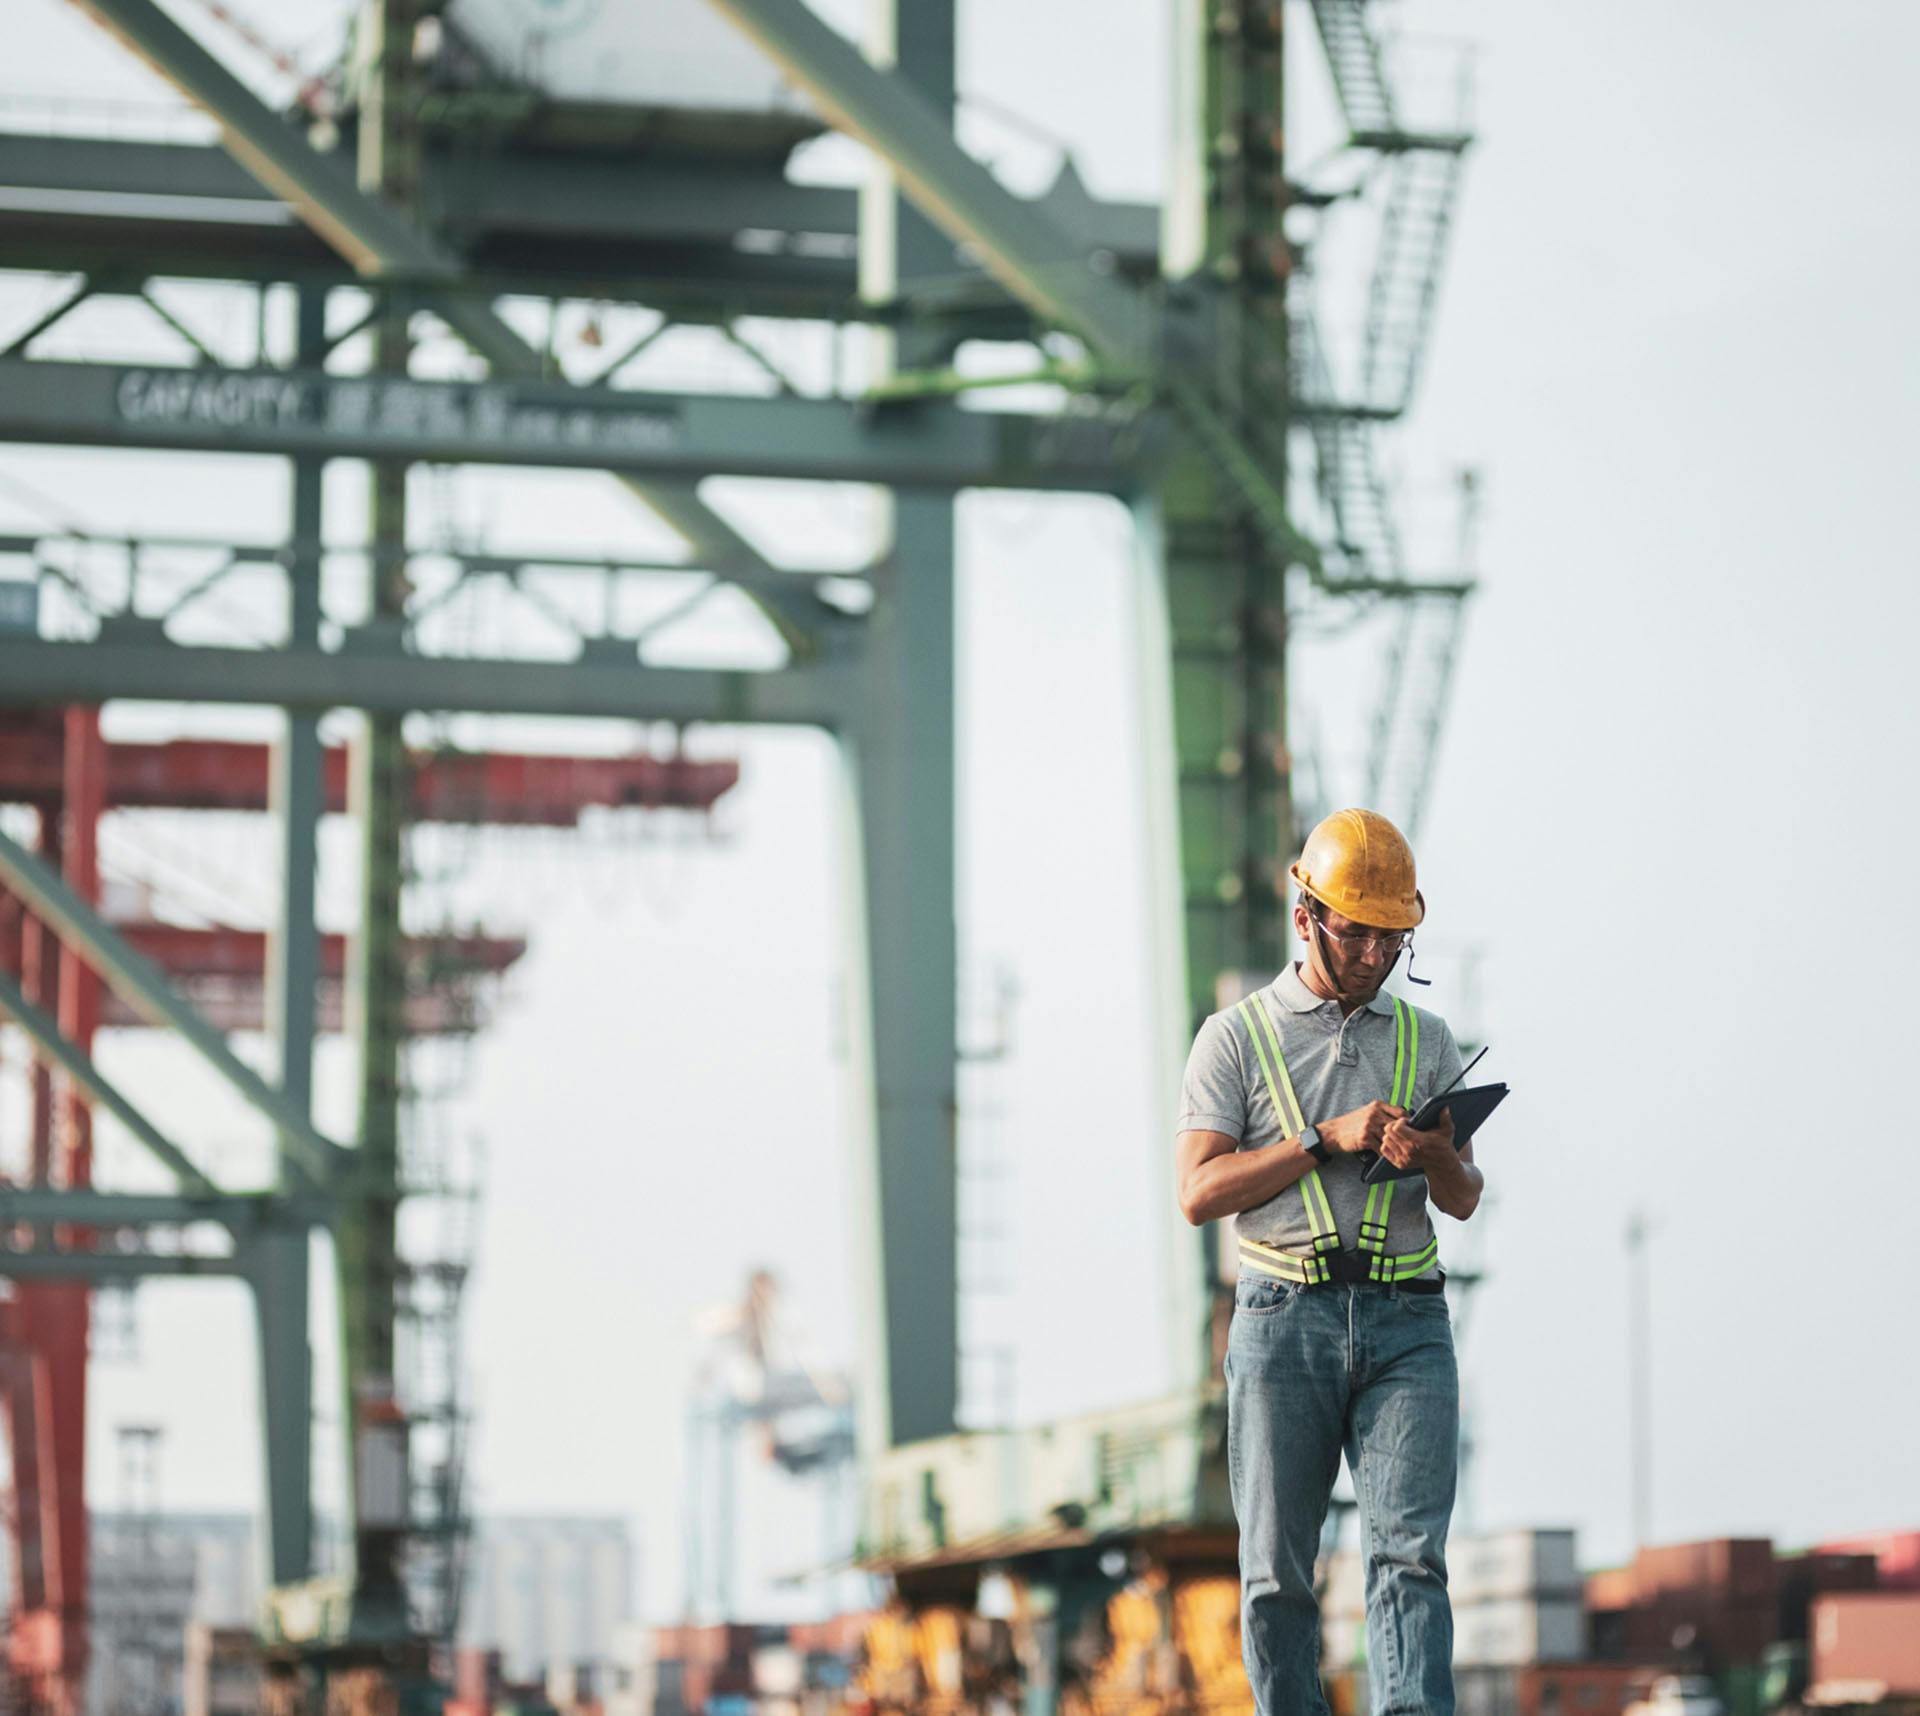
1871, 1636
1737, 1569
1611, 1588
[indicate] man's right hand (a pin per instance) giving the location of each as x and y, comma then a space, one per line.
1361, 1130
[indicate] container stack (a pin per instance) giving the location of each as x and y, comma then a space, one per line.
706, 1668
1716, 1603
1817, 1573
1865, 1647
738, 1669
222, 1675
1895, 1553
1516, 1600
828, 1651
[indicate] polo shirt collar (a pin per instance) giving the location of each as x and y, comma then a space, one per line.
1291, 991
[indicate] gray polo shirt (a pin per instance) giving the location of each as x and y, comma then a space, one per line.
1337, 1064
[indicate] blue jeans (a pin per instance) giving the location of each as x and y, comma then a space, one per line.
1312, 1371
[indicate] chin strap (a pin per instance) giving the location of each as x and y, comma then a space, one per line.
1326, 958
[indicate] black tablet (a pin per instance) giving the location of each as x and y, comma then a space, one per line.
1470, 1109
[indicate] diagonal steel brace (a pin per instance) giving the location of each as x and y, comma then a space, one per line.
380, 240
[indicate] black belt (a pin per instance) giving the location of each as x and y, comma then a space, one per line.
1354, 1269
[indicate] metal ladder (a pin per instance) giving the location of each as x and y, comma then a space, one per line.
1423, 184
1418, 681
1422, 190
1354, 58
1346, 472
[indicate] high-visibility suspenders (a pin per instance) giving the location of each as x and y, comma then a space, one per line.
1311, 1268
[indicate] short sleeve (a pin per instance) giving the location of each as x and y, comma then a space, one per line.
1213, 1095
1440, 1068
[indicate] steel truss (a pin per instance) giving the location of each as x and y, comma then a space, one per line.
1185, 395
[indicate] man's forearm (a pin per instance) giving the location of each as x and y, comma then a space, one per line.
1243, 1180
1454, 1186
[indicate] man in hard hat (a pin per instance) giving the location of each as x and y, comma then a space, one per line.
1340, 1338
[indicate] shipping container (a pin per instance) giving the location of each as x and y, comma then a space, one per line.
1486, 1692
1611, 1588
1344, 1587
1896, 1552
1580, 1688
1537, 1563
1705, 1627
1815, 1574
1508, 1564
1871, 1637
840, 1635
1517, 1631
1730, 1569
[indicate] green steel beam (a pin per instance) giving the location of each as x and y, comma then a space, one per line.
281, 1264
1020, 246
95, 1266
378, 238
900, 757
279, 1267
676, 438
1226, 546
471, 563
246, 1215
143, 985
79, 1066
496, 198
366, 1238
380, 676
1035, 260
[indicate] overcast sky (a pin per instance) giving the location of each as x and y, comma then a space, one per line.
1674, 819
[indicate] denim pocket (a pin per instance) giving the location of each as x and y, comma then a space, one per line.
1256, 1294
1425, 1304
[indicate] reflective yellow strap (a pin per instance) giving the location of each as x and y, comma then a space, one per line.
1274, 1065
1286, 1104
1413, 1053
1405, 1267
1406, 1053
1282, 1265
1373, 1233
1400, 1048
1373, 1221
1406, 1038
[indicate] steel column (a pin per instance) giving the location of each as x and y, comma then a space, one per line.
903, 758
1225, 589
281, 1261
278, 1269
366, 1241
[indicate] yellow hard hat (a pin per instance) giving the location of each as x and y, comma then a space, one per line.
1361, 866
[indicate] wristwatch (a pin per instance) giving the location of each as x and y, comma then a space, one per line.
1310, 1141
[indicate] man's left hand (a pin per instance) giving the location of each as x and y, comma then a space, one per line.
1406, 1148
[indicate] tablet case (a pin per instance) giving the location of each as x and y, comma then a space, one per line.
1470, 1110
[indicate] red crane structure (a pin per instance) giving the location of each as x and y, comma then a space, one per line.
57, 762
